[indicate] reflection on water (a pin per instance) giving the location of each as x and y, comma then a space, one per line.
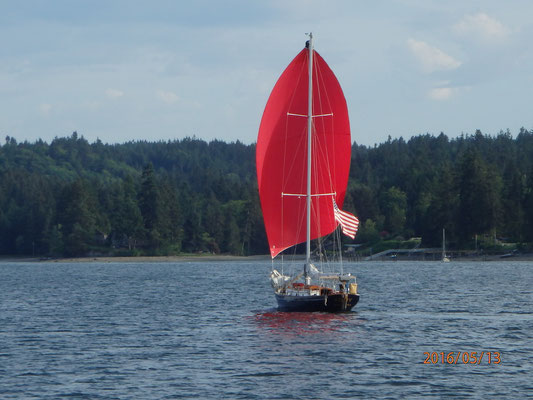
299, 323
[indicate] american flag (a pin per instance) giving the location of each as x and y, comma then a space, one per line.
349, 222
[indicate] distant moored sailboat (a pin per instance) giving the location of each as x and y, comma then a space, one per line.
444, 256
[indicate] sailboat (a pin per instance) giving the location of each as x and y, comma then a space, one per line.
303, 160
444, 256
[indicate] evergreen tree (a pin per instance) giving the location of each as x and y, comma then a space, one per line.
126, 219
478, 195
441, 213
76, 218
394, 206
149, 205
512, 199
528, 208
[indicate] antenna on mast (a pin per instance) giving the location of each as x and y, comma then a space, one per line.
308, 42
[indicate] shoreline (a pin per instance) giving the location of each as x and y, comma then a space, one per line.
133, 259
230, 258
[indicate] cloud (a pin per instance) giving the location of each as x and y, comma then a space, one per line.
167, 97
431, 58
442, 93
482, 27
114, 93
45, 109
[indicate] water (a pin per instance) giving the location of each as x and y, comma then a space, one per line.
211, 331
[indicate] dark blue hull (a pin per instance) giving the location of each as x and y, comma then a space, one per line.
332, 303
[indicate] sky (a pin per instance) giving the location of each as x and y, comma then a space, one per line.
122, 70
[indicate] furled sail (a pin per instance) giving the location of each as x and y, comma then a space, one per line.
281, 154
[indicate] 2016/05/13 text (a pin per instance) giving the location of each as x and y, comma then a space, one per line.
459, 357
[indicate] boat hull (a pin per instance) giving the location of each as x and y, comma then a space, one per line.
332, 303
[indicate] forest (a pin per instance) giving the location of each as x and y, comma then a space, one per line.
75, 198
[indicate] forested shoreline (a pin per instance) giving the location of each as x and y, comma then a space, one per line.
71, 197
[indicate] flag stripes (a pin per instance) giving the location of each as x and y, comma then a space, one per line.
349, 222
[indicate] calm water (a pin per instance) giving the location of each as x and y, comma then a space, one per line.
211, 331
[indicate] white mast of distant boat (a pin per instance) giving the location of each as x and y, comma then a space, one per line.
444, 258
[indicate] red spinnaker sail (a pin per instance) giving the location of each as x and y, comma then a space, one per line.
281, 154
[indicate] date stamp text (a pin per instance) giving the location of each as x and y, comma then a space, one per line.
462, 357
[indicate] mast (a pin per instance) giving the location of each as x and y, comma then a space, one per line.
309, 145
443, 243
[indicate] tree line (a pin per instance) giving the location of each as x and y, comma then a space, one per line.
71, 197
